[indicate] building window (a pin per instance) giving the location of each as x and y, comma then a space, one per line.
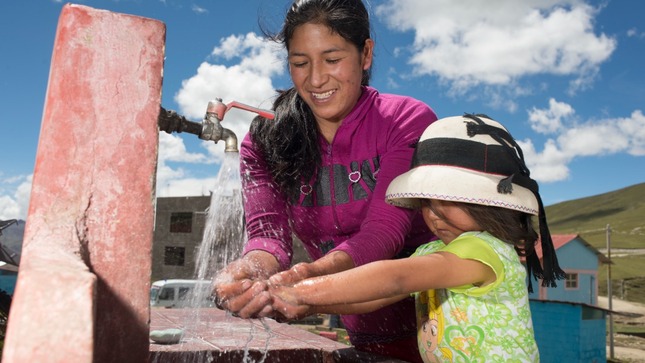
181, 222
571, 281
174, 256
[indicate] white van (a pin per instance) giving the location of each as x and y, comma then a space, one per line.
176, 293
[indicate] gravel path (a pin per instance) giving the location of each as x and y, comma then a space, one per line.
628, 349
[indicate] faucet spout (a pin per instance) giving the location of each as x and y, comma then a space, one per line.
230, 141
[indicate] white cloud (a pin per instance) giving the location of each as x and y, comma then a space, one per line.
573, 139
548, 121
248, 81
256, 55
199, 10
549, 165
606, 136
495, 43
16, 204
633, 32
9, 208
634, 126
172, 148
186, 187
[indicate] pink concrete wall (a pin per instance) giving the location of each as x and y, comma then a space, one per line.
83, 285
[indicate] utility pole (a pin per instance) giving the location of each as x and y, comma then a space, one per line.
609, 295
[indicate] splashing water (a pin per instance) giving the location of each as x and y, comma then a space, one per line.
224, 234
223, 240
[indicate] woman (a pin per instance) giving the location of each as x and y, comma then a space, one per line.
320, 171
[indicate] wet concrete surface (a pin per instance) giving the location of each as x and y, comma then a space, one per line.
212, 335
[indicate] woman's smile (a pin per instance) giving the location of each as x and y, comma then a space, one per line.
322, 96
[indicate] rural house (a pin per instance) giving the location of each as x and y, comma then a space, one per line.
569, 326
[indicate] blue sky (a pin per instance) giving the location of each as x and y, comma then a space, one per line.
565, 77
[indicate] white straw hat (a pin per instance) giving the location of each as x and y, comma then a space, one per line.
473, 159
454, 162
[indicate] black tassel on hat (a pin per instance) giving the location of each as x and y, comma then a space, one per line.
549, 271
505, 185
551, 268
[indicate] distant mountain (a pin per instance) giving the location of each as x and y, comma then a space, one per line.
623, 210
12, 236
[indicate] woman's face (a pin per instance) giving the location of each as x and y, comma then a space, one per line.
327, 70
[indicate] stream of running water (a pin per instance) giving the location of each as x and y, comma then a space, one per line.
224, 234
223, 240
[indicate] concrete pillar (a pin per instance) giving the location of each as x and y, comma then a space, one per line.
83, 286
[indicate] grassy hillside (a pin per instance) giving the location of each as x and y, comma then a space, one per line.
623, 210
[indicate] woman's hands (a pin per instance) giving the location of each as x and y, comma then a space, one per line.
252, 287
241, 287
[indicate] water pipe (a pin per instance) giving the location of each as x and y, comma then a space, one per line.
210, 128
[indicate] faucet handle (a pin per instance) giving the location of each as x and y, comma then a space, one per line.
218, 108
262, 112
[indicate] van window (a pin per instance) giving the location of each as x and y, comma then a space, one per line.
167, 293
184, 292
154, 291
181, 293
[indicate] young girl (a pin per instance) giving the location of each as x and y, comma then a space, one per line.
469, 179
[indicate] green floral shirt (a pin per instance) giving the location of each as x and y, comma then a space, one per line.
484, 324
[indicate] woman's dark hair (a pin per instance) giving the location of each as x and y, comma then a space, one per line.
290, 142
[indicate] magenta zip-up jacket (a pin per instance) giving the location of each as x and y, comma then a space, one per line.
343, 207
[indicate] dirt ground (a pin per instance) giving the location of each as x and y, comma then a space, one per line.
627, 348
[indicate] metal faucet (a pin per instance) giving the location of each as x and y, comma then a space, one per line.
210, 128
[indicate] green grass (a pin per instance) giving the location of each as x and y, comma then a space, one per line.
629, 329
628, 278
622, 210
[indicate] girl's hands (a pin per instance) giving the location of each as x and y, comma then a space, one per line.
284, 295
293, 275
285, 302
331, 263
